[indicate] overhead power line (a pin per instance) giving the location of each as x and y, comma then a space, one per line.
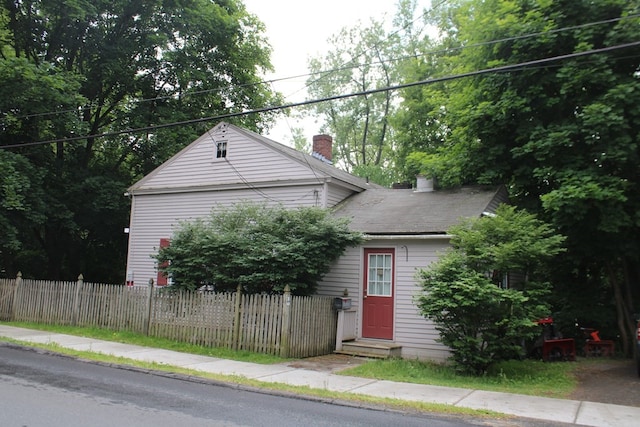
353, 64
503, 68
347, 65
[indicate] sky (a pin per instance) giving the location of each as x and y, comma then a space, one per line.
298, 30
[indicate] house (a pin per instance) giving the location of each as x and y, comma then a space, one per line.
406, 231
406, 228
225, 165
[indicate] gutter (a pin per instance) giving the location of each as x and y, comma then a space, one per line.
408, 236
228, 186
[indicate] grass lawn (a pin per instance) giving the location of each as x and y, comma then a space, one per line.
523, 377
143, 340
529, 377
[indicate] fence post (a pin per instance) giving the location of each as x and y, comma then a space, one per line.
285, 337
14, 303
76, 301
147, 321
235, 340
340, 330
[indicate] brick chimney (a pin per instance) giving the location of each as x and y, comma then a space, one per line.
322, 145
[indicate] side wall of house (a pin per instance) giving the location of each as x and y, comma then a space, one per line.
194, 181
413, 332
156, 216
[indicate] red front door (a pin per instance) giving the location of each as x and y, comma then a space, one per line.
377, 306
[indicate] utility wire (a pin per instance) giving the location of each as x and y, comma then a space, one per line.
264, 82
350, 64
512, 67
253, 187
346, 66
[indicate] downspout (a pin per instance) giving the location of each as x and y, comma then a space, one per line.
129, 275
325, 194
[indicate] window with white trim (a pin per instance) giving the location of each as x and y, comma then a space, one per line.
221, 149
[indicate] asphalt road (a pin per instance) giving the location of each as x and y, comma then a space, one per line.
42, 389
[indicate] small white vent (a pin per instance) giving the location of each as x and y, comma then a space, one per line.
424, 184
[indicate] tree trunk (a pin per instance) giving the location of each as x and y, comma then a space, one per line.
623, 314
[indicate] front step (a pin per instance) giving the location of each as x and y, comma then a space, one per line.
377, 349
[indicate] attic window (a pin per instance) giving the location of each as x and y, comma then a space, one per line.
221, 149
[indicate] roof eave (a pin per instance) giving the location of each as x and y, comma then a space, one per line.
428, 236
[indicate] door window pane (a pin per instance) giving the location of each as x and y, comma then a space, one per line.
379, 280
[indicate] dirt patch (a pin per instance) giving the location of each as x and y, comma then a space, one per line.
328, 363
608, 381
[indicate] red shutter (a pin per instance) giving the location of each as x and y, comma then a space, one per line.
162, 278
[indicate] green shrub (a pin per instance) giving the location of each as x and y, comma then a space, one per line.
478, 318
257, 247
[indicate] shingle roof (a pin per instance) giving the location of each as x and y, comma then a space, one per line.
394, 211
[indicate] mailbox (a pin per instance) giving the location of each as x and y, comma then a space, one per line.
342, 303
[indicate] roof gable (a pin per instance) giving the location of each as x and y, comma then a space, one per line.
318, 163
249, 158
394, 211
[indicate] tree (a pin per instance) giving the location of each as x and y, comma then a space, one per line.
28, 95
260, 248
563, 135
103, 67
478, 318
20, 204
363, 59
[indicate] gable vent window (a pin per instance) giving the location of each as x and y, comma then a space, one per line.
221, 149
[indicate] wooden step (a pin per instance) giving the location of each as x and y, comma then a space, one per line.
377, 349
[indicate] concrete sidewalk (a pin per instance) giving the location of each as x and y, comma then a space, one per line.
555, 410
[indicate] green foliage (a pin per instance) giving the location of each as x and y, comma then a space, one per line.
564, 137
28, 95
31, 94
512, 240
260, 248
480, 321
376, 173
19, 203
84, 68
442, 168
364, 58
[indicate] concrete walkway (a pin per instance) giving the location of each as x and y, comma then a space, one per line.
541, 408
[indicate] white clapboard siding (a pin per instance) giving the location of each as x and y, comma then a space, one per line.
336, 195
345, 273
193, 183
156, 216
247, 160
412, 331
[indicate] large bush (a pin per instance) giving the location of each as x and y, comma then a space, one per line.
260, 248
479, 318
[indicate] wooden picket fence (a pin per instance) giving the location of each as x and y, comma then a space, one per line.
283, 325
